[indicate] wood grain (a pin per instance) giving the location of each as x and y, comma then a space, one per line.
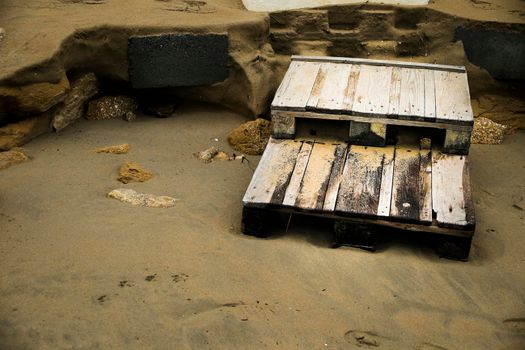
360, 186
373, 90
405, 184
335, 177
387, 176
292, 190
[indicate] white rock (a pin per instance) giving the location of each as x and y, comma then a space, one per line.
142, 199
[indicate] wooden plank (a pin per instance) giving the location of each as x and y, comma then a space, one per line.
425, 186
335, 87
376, 119
404, 64
273, 173
430, 96
360, 187
448, 190
335, 177
395, 91
288, 76
292, 190
405, 184
315, 180
385, 196
297, 92
452, 98
412, 97
353, 78
373, 89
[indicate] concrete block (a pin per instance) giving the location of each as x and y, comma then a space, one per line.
172, 60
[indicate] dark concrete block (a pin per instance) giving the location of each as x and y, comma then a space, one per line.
171, 60
500, 52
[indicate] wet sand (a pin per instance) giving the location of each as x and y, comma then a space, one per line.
80, 270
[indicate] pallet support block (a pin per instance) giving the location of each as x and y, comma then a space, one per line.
457, 142
283, 126
257, 221
355, 235
368, 134
454, 247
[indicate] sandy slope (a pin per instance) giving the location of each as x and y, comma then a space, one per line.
64, 246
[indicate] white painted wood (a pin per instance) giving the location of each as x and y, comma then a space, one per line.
412, 96
395, 91
425, 185
379, 119
405, 64
274, 169
447, 189
430, 96
385, 196
297, 92
373, 90
330, 198
353, 78
292, 191
452, 97
315, 180
288, 76
335, 86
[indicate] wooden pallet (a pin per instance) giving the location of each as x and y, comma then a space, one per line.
360, 187
373, 94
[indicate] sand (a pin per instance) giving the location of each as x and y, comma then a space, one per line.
80, 270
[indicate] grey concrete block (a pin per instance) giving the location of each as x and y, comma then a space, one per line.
171, 60
500, 52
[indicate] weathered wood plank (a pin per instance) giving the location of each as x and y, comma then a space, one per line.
430, 96
425, 186
403, 64
385, 196
412, 99
405, 184
315, 180
360, 186
376, 119
297, 92
288, 76
448, 190
353, 78
373, 90
335, 178
273, 173
292, 190
452, 98
283, 126
395, 91
330, 87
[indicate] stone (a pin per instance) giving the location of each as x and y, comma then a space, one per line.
18, 134
160, 107
32, 99
131, 171
487, 132
172, 60
82, 89
12, 157
117, 149
251, 137
207, 155
111, 107
222, 156
132, 197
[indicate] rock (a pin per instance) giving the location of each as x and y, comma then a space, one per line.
207, 155
32, 99
82, 89
18, 134
12, 157
131, 171
487, 132
223, 156
142, 199
111, 107
160, 107
117, 149
251, 137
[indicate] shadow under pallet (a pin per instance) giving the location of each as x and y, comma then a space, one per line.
364, 188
